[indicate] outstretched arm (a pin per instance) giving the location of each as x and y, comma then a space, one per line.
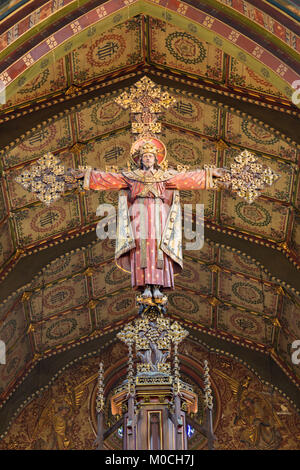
101, 180
196, 179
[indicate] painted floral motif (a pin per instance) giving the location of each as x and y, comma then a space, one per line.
183, 303
247, 292
208, 21
51, 42
101, 12
182, 151
257, 52
36, 83
185, 48
61, 328
72, 326
258, 133
115, 276
253, 214
243, 76
122, 304
28, 59
76, 27
233, 36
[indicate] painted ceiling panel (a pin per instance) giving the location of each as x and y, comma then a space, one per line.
207, 253
69, 327
108, 151
208, 198
13, 326
8, 304
296, 236
289, 317
107, 279
260, 218
101, 251
93, 199
242, 76
117, 48
114, 309
191, 113
182, 51
191, 150
190, 306
59, 297
197, 277
39, 222
248, 293
243, 264
247, 133
50, 137
52, 79
245, 325
100, 118
61, 268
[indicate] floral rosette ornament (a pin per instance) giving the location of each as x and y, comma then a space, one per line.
247, 177
47, 179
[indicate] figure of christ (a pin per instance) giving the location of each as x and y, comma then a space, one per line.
149, 244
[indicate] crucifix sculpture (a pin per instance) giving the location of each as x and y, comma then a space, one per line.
149, 246
149, 238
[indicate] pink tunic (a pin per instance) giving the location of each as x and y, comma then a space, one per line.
150, 214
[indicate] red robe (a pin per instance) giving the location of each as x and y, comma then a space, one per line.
147, 262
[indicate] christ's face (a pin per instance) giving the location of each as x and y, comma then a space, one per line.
148, 160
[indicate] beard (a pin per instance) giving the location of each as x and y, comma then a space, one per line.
147, 167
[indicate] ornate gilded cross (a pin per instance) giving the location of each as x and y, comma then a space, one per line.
47, 179
247, 177
145, 101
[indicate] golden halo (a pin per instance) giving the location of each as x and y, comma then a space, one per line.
155, 146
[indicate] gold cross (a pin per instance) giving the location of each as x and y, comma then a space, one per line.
145, 101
